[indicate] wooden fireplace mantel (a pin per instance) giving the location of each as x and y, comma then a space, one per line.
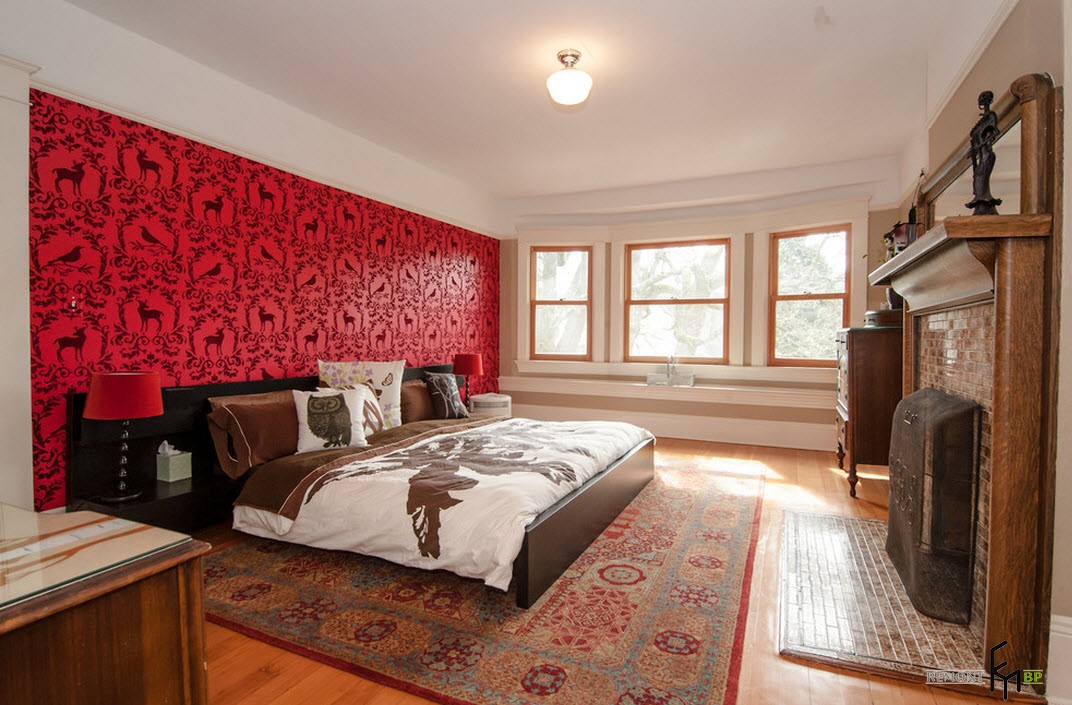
953, 263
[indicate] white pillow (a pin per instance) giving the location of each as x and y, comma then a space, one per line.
373, 413
385, 378
330, 419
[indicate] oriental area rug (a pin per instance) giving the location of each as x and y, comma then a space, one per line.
653, 613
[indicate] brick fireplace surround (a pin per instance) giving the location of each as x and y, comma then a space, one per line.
981, 324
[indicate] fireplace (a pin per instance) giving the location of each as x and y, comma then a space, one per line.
934, 460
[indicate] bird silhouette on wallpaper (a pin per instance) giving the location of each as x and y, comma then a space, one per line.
75, 342
348, 267
348, 322
381, 339
313, 226
347, 218
409, 274
266, 197
453, 281
212, 272
312, 339
73, 174
267, 319
213, 206
328, 419
269, 256
380, 289
308, 282
265, 374
214, 341
434, 293
145, 165
68, 258
147, 314
151, 239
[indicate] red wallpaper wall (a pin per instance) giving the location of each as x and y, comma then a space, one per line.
152, 251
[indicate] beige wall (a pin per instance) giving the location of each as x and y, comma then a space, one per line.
1030, 41
507, 307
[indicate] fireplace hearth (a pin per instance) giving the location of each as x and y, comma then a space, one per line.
934, 460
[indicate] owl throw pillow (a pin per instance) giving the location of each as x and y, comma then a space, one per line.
385, 378
330, 419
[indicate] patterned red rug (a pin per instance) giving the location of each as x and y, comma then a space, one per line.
653, 613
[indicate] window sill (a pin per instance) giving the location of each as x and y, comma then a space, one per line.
749, 395
705, 374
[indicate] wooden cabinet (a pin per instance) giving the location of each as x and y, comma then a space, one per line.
99, 610
868, 389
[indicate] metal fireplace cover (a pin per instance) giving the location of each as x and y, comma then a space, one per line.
934, 460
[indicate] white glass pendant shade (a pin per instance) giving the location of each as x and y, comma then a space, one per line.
569, 86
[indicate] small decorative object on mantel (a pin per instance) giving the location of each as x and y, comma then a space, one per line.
983, 135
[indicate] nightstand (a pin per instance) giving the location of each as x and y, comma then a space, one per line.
491, 404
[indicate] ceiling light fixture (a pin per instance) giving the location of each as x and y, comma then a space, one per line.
569, 85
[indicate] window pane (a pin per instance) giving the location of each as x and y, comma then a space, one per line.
812, 264
682, 330
561, 330
805, 329
693, 272
561, 276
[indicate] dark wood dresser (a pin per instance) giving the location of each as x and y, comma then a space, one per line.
95, 609
868, 389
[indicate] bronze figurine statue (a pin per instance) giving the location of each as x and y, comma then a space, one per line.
983, 135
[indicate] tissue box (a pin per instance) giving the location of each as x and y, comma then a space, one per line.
172, 468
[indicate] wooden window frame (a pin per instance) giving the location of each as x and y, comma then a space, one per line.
630, 301
534, 302
773, 297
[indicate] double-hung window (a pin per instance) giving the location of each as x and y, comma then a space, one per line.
560, 303
677, 301
809, 295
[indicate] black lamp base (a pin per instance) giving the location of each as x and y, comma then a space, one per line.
120, 496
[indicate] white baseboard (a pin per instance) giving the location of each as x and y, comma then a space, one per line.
781, 434
1058, 676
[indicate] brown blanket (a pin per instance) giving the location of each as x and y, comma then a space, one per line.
280, 485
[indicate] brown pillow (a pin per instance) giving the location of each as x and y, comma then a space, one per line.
261, 398
257, 432
217, 428
416, 402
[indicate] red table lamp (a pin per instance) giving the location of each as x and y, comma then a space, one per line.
466, 364
122, 396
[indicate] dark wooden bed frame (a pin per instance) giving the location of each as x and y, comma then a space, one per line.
552, 541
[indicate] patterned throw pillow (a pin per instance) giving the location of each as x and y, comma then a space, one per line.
331, 419
385, 378
446, 401
374, 420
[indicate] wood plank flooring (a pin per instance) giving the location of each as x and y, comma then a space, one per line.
243, 671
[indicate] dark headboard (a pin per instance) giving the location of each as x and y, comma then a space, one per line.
93, 446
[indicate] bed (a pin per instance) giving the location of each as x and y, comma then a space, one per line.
554, 538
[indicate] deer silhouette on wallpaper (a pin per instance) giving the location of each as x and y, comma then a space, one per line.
75, 342
312, 339
381, 243
145, 165
147, 314
347, 218
432, 337
215, 206
348, 322
313, 226
381, 339
74, 175
265, 196
215, 341
407, 321
266, 319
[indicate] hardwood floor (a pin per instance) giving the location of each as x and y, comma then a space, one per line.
242, 671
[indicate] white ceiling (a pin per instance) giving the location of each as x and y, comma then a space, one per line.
685, 90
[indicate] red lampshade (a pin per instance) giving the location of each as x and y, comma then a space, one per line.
119, 396
468, 364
